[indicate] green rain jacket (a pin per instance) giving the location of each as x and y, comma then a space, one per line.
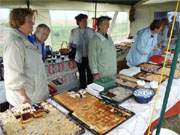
102, 55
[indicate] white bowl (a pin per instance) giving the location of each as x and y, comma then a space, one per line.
141, 83
154, 84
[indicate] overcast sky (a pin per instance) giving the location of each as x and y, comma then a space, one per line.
4, 14
69, 15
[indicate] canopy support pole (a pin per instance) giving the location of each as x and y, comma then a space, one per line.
168, 87
28, 3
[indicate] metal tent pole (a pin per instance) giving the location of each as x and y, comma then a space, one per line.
168, 87
95, 12
28, 3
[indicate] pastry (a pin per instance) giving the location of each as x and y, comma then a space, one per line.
102, 117
126, 81
126, 78
167, 72
150, 77
54, 123
119, 93
73, 100
154, 77
26, 117
110, 94
95, 114
147, 67
38, 113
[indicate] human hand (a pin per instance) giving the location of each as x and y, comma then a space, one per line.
96, 76
23, 96
156, 51
25, 100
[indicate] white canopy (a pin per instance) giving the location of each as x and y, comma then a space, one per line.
144, 13
63, 5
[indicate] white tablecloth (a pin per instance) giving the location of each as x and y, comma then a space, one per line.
1, 133
65, 71
2, 92
138, 124
60, 70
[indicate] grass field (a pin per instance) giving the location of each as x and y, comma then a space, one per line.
62, 33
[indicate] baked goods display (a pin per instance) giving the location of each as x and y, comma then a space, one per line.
117, 94
102, 117
52, 122
26, 112
10, 125
167, 72
151, 77
147, 67
93, 113
123, 80
169, 63
75, 100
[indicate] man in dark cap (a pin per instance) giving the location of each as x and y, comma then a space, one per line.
79, 39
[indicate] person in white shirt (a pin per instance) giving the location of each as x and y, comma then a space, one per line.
79, 39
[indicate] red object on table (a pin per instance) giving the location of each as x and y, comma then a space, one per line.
157, 59
52, 88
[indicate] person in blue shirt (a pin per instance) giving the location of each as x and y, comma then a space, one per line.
145, 44
39, 37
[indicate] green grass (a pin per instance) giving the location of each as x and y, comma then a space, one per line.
120, 31
59, 34
62, 33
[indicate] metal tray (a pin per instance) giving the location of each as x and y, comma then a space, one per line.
93, 130
76, 104
167, 72
82, 130
117, 95
148, 67
126, 81
78, 132
79, 115
149, 77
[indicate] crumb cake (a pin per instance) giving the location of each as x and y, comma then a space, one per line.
53, 123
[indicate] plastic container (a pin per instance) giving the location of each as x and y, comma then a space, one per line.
157, 59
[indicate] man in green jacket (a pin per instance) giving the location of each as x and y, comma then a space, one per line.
102, 52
